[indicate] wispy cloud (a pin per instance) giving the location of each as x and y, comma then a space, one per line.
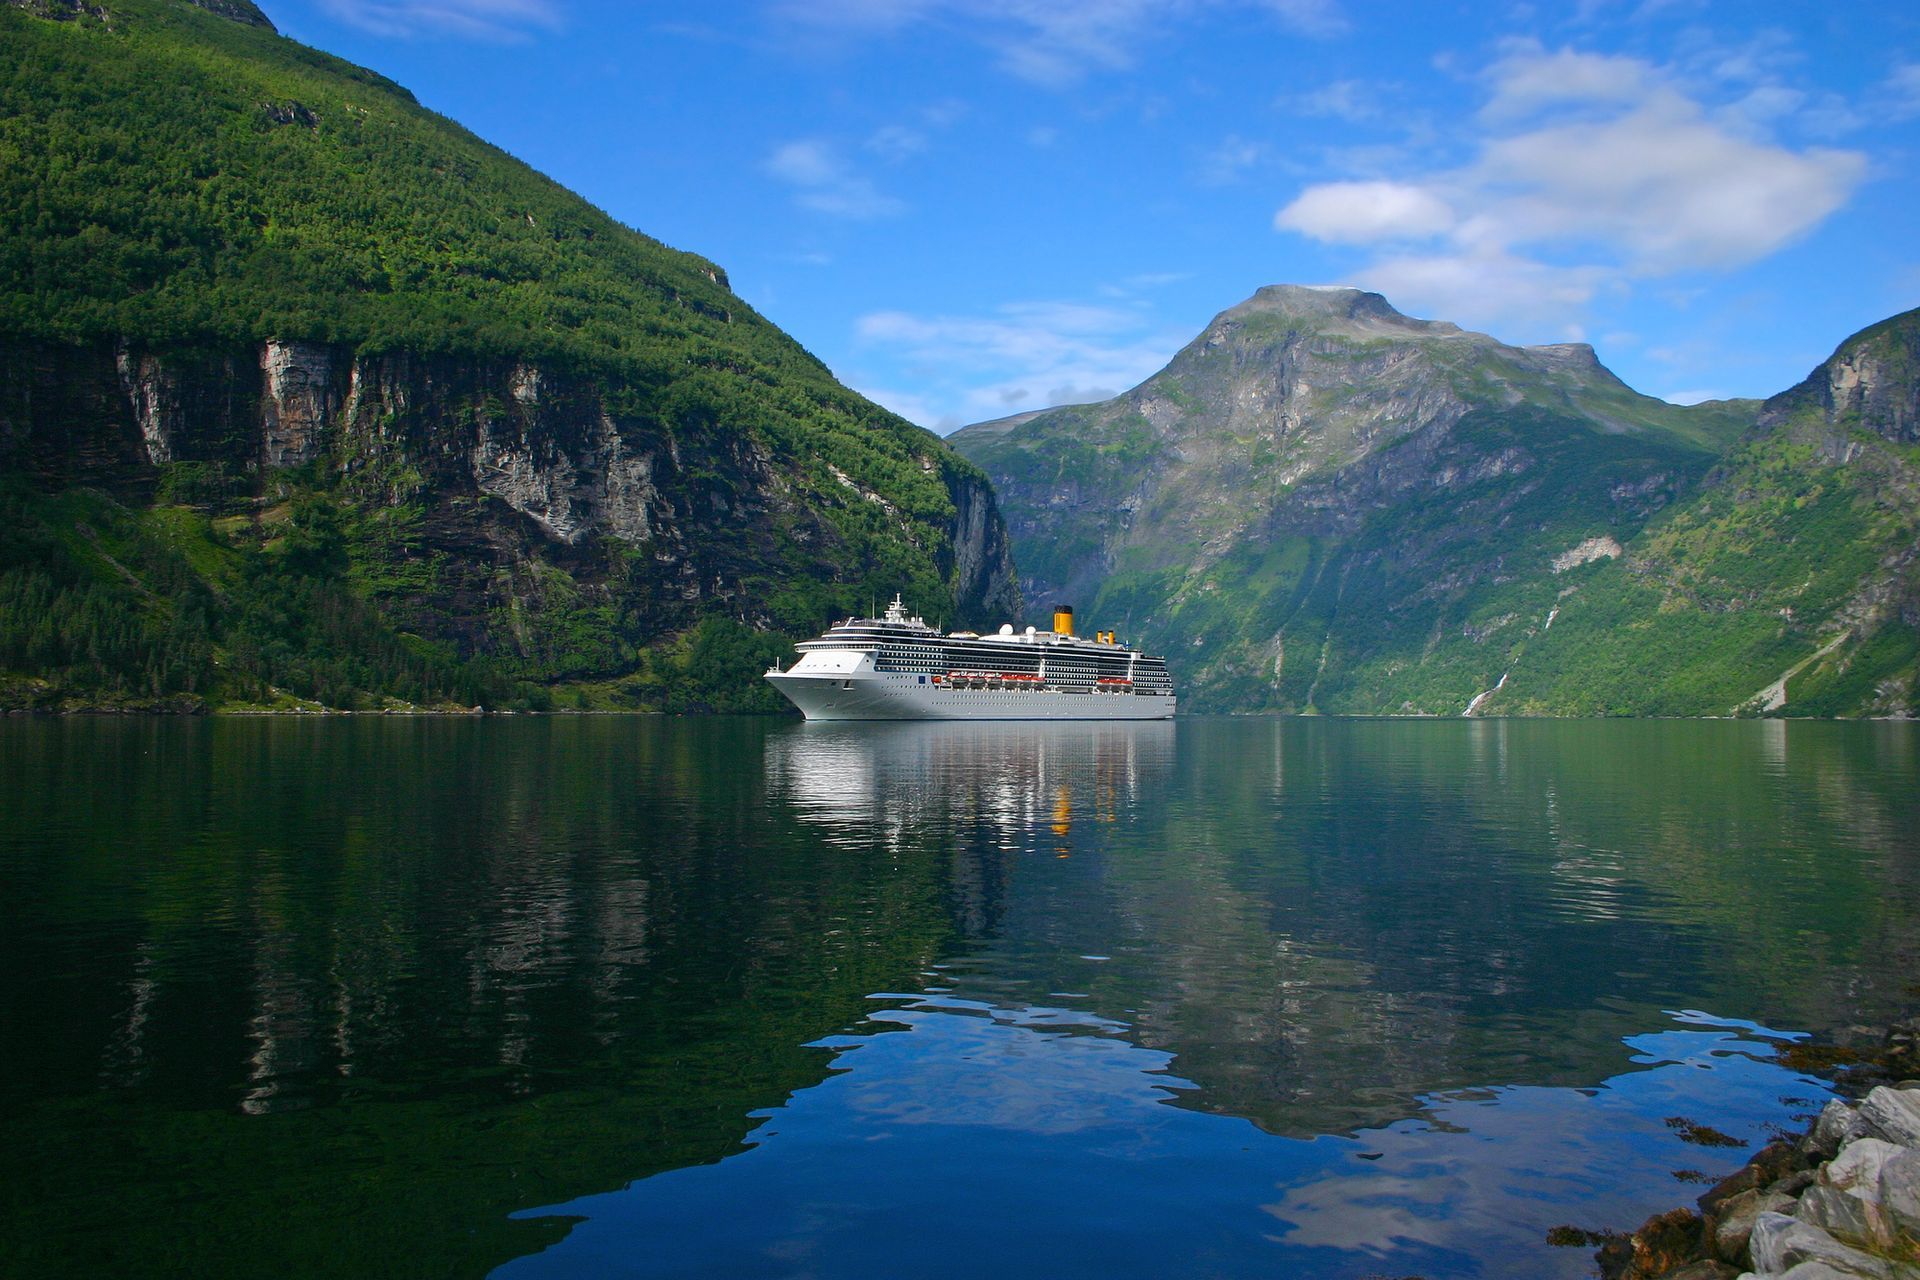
496, 20
1354, 101
1901, 91
1054, 43
825, 182
896, 142
1231, 159
1589, 171
1020, 356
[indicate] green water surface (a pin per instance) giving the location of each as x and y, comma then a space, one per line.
341, 997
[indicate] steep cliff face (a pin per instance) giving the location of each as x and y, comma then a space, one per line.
434, 406
505, 476
1871, 384
1324, 504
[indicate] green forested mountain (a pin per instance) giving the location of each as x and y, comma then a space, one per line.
1787, 583
1324, 505
307, 392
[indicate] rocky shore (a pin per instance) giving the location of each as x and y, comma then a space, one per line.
1841, 1202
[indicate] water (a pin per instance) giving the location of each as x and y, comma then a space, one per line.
565, 997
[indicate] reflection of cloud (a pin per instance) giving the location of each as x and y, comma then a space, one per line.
1371, 1213
1027, 1070
1490, 1170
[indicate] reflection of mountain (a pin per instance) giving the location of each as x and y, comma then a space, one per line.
1322, 921
380, 983
411, 975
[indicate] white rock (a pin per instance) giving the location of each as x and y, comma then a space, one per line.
1839, 1214
1735, 1218
1781, 1244
1857, 1168
1814, 1270
1838, 1125
1899, 1195
1893, 1114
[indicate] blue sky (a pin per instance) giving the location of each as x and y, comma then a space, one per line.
970, 208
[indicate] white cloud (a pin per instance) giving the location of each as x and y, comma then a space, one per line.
1053, 43
1481, 287
1590, 171
1666, 189
824, 182
1365, 212
1694, 396
1020, 356
1530, 79
471, 19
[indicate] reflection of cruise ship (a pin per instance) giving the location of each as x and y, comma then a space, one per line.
898, 668
882, 781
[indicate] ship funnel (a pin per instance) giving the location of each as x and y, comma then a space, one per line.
1063, 619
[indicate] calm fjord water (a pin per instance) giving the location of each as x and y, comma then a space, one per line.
566, 997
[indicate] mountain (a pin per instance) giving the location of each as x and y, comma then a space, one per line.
1322, 504
1788, 583
308, 393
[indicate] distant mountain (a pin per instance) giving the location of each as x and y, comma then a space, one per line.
306, 392
1323, 505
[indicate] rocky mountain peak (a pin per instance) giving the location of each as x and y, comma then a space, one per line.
1339, 309
1872, 381
1569, 355
237, 10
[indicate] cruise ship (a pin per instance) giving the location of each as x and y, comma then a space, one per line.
896, 667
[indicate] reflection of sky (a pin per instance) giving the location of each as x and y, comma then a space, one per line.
975, 1140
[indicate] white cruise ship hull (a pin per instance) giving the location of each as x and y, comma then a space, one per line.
886, 695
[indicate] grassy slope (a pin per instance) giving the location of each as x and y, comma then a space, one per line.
180, 178
1784, 550
1420, 608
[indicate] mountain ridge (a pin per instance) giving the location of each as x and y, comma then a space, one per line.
1321, 504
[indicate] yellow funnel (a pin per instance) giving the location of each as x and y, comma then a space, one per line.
1063, 619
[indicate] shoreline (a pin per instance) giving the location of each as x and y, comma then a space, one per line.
315, 709
1839, 1201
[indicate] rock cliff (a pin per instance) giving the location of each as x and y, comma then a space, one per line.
507, 472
